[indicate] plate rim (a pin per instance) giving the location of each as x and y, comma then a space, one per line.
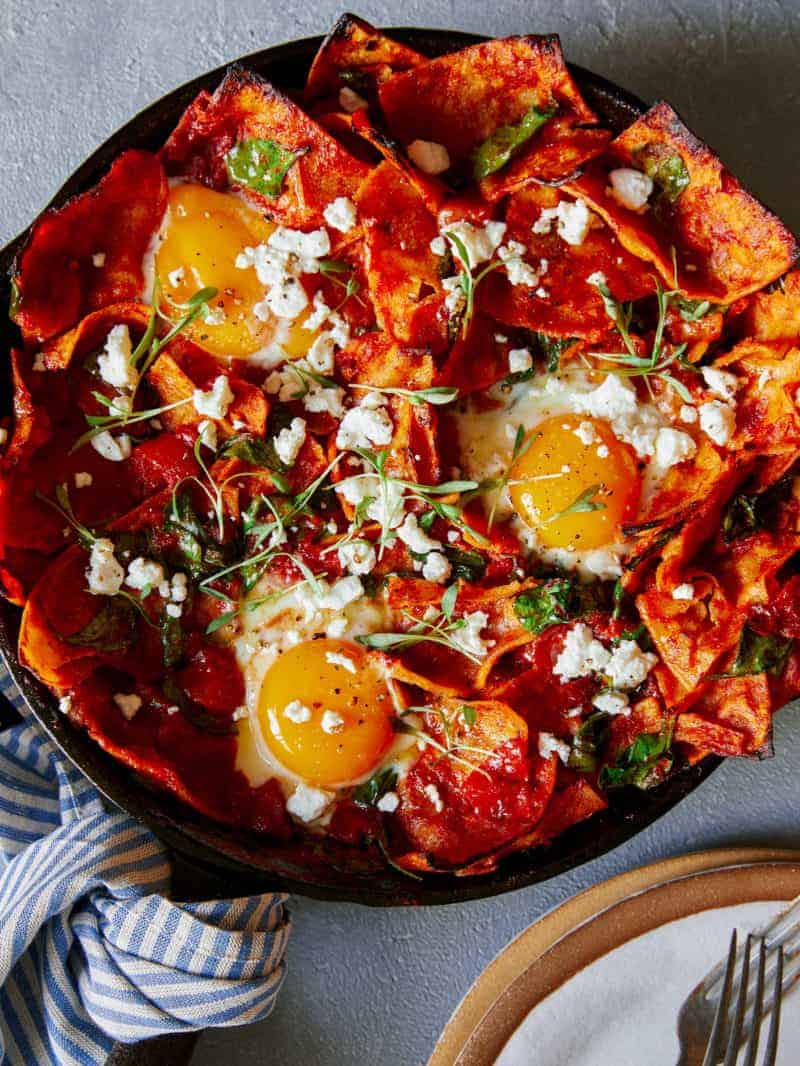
484, 1020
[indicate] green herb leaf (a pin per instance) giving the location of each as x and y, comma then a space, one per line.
449, 600
260, 165
667, 170
257, 452
113, 628
585, 502
467, 565
587, 742
368, 794
759, 654
694, 310
497, 149
643, 764
469, 714
552, 348
14, 300
171, 640
747, 513
547, 605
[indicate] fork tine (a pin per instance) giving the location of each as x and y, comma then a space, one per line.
775, 1022
735, 1035
758, 1006
720, 1017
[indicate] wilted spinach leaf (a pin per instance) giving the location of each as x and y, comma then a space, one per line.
194, 713
587, 742
667, 170
368, 794
643, 763
468, 565
759, 654
113, 628
260, 164
549, 604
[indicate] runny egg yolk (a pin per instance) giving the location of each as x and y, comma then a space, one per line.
206, 231
325, 711
573, 494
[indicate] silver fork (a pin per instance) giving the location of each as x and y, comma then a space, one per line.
712, 1028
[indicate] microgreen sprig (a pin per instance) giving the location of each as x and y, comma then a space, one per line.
468, 281
438, 395
437, 630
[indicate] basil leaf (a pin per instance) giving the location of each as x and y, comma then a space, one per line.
587, 742
667, 170
759, 654
260, 165
643, 763
547, 605
113, 628
468, 565
368, 794
498, 148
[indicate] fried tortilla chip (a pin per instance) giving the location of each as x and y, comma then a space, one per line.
357, 56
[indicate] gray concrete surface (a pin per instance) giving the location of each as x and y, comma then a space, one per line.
377, 986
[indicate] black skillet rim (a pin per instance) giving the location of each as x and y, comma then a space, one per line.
227, 854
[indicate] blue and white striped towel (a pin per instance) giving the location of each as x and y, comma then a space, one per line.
91, 950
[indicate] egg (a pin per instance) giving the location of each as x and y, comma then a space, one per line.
202, 235
575, 453
336, 724
575, 483
319, 705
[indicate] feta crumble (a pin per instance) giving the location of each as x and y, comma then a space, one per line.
683, 592
573, 221
416, 538
430, 156
388, 803
143, 573
551, 745
432, 793
720, 382
480, 242
672, 447
581, 654
468, 638
363, 426
520, 360
307, 804
436, 567
331, 722
629, 665
613, 703
113, 363
215, 402
340, 214
718, 421
105, 575
630, 188
335, 659
297, 712
357, 556
290, 440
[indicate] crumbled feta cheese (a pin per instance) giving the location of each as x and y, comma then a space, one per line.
144, 573
436, 567
612, 399
438, 246
416, 538
207, 432
602, 451
174, 610
331, 722
455, 298
320, 355
336, 628
468, 638
297, 712
308, 803
672, 447
350, 101
340, 214
518, 271
520, 360
99, 259
346, 590
586, 433
597, 278
114, 362
721, 383
687, 414
387, 498
318, 398
290, 440
718, 421
629, 665
613, 703
430, 156
551, 745
357, 556
313, 245
480, 242
83, 479
215, 402
285, 299
335, 659
630, 188
581, 654
573, 221
175, 277
65, 704
603, 563
363, 426
128, 703
388, 803
214, 316
179, 588
432, 793
239, 714
683, 592
105, 575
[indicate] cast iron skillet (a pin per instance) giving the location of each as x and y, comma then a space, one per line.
237, 857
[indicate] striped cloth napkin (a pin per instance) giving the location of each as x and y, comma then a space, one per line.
91, 949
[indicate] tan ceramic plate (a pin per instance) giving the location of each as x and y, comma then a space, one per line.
597, 921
